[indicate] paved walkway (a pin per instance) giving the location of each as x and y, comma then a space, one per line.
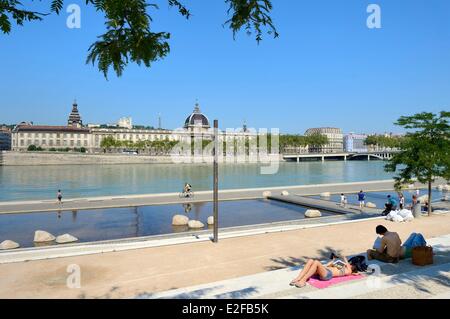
158, 199
142, 272
324, 205
403, 280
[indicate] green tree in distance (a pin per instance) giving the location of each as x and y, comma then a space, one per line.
317, 140
108, 143
424, 152
129, 36
384, 141
296, 141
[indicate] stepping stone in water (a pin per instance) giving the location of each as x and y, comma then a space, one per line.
9, 244
180, 220
41, 236
313, 213
195, 224
65, 239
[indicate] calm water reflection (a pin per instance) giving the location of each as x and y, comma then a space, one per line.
42, 182
106, 224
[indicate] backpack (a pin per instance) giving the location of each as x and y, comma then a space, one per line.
359, 262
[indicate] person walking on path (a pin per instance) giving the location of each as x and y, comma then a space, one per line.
361, 199
59, 196
343, 200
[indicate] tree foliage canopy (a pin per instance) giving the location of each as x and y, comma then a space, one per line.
384, 141
425, 151
129, 36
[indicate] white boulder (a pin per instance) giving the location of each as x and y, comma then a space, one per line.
41, 236
66, 239
9, 244
423, 199
440, 187
267, 194
195, 224
371, 205
313, 213
325, 194
446, 188
284, 193
180, 220
210, 220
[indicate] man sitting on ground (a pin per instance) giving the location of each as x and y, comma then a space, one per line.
390, 249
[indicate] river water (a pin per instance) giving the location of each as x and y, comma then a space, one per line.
42, 182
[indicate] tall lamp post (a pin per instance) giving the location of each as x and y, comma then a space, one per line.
216, 182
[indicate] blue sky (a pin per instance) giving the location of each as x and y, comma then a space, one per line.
326, 69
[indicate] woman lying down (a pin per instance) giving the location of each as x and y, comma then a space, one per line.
336, 268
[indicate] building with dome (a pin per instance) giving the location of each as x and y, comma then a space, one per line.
197, 120
196, 127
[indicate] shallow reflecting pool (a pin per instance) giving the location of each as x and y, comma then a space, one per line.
117, 223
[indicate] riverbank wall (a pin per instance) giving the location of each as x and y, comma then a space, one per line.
54, 158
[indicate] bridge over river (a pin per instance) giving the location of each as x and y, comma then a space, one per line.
368, 156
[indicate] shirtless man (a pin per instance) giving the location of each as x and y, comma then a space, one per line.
390, 249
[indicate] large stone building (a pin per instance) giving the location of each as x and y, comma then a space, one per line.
335, 140
5, 139
75, 135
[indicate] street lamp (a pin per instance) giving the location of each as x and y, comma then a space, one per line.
216, 182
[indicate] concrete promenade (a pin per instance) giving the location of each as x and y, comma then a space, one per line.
403, 280
173, 198
144, 272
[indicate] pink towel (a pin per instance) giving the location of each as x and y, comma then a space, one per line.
316, 282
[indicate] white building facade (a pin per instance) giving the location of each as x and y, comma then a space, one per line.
355, 143
335, 140
76, 136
